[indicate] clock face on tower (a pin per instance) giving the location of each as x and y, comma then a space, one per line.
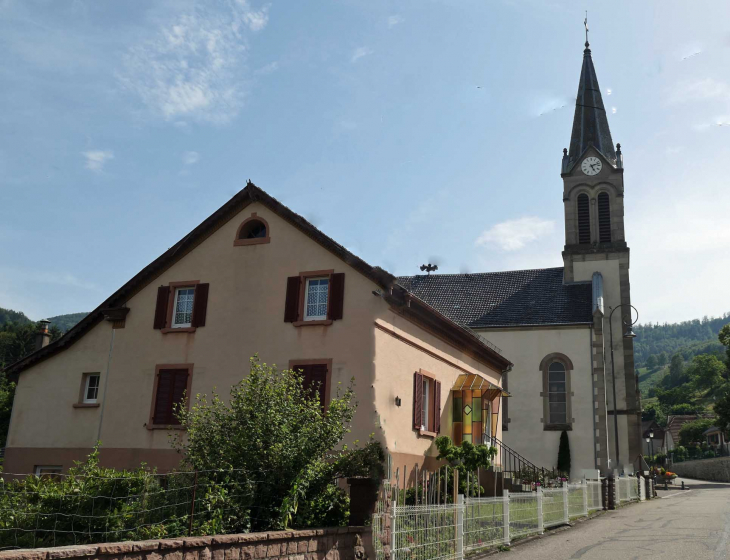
591, 166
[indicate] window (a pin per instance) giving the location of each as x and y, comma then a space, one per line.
182, 313
91, 389
315, 303
426, 403
556, 394
253, 231
584, 219
314, 298
181, 306
48, 471
315, 374
556, 369
604, 218
172, 386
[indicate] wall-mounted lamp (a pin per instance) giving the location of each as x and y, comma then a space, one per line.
397, 401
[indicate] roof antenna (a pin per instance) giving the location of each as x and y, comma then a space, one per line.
585, 22
429, 268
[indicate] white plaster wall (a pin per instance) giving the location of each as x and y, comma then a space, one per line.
526, 348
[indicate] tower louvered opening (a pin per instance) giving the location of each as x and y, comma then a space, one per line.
604, 218
584, 219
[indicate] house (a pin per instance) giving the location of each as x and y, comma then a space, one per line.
674, 425
566, 329
715, 438
253, 278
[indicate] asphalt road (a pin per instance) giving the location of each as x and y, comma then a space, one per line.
689, 525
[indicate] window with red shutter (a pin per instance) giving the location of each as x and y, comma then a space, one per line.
163, 295
437, 407
171, 387
314, 378
291, 305
417, 400
336, 296
200, 305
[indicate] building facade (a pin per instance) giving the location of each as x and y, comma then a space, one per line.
254, 278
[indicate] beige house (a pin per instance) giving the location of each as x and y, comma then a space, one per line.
555, 324
253, 278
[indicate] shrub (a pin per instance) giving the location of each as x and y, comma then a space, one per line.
691, 432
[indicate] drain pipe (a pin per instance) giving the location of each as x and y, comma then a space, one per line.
116, 316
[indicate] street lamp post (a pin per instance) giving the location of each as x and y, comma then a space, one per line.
628, 334
651, 439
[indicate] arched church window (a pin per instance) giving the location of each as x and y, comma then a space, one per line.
604, 218
584, 219
557, 409
252, 231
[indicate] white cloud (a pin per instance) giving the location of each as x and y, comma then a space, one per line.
190, 158
515, 234
700, 90
395, 20
360, 52
96, 159
193, 66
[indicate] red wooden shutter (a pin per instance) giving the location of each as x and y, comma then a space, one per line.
163, 296
291, 307
336, 296
179, 385
417, 400
200, 305
437, 406
171, 386
314, 378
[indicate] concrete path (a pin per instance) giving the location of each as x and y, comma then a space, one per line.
689, 525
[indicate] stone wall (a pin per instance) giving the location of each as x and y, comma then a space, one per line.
717, 469
344, 543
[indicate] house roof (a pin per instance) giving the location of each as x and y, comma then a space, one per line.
590, 122
651, 425
505, 299
711, 430
676, 421
395, 295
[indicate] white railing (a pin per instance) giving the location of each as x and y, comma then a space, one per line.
448, 531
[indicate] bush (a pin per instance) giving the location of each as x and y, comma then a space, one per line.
691, 432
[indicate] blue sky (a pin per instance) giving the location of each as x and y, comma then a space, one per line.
410, 131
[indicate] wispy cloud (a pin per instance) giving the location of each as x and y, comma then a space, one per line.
96, 159
395, 20
191, 158
193, 66
515, 234
360, 52
268, 69
699, 90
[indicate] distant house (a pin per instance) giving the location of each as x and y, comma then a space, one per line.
674, 425
715, 437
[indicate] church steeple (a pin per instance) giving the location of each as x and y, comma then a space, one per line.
590, 123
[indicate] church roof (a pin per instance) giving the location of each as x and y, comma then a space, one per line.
505, 299
590, 123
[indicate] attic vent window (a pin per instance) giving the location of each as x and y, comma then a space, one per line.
253, 231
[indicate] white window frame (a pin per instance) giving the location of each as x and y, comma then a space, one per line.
308, 317
173, 324
40, 468
87, 384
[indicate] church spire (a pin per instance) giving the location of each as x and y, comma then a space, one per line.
590, 124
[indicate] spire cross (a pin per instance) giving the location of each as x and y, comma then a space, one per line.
585, 22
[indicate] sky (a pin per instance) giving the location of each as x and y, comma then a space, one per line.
410, 131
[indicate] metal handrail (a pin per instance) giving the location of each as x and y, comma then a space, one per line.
511, 459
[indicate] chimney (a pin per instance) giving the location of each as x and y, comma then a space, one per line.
43, 337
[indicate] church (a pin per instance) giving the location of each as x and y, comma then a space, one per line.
557, 325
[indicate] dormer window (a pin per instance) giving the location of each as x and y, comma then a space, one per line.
253, 231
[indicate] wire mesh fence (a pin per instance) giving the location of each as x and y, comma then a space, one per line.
63, 510
577, 500
427, 532
523, 517
483, 523
554, 506
595, 495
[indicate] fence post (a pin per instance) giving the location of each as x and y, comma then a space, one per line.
566, 515
540, 521
642, 489
460, 526
192, 504
505, 515
584, 486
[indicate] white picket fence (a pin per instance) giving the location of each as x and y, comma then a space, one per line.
448, 531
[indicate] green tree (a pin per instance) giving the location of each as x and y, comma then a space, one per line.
706, 372
653, 411
275, 440
564, 453
724, 337
669, 398
652, 362
722, 409
662, 359
691, 432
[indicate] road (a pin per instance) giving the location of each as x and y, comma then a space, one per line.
689, 525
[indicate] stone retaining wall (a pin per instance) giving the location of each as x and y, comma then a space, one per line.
343, 543
717, 470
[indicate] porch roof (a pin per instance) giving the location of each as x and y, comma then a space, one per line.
472, 381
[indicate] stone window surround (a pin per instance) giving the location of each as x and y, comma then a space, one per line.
544, 366
592, 191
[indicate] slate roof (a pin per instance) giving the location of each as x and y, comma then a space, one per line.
590, 123
502, 299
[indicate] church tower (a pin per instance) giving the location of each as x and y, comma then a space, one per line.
596, 251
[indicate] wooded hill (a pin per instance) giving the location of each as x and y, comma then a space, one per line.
63, 322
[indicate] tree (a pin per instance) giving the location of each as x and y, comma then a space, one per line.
706, 372
724, 338
275, 440
653, 411
691, 432
669, 398
652, 362
722, 409
564, 453
662, 359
